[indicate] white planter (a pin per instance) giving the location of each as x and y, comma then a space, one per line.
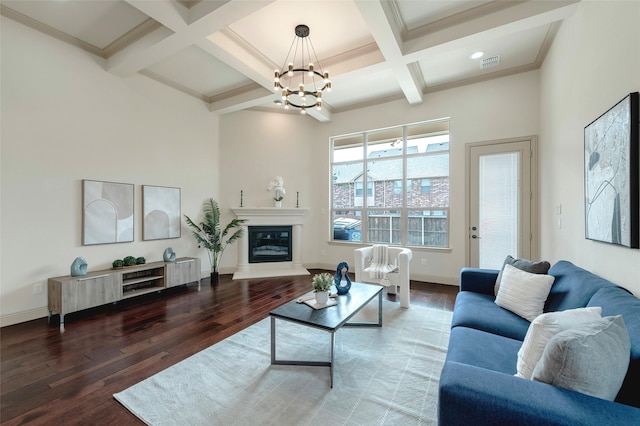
322, 297
278, 203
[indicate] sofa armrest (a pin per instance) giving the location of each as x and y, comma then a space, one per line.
478, 280
469, 394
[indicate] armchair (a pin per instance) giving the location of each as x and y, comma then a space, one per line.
398, 256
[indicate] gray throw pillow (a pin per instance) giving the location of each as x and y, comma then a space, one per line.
592, 358
524, 265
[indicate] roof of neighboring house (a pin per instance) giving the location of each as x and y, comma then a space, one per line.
391, 169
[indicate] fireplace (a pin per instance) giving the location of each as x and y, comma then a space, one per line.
273, 226
269, 244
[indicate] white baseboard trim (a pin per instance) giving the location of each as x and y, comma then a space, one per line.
24, 316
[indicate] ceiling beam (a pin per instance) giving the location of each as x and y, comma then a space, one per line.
144, 54
387, 35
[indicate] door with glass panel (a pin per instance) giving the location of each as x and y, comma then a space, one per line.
501, 203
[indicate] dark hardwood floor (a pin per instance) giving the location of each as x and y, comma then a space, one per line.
53, 377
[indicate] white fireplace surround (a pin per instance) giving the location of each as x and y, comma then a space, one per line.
267, 216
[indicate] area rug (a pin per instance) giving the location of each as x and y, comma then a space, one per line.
382, 376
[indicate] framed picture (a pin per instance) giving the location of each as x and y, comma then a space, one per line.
611, 163
107, 212
161, 212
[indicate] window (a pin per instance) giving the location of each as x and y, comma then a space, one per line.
406, 170
425, 186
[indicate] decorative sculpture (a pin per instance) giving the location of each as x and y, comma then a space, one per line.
169, 255
79, 267
341, 279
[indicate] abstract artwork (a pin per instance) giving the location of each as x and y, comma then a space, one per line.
161, 210
107, 212
611, 166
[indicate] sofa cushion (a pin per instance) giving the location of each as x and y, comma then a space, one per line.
482, 349
543, 328
524, 265
479, 311
573, 287
522, 292
591, 358
615, 300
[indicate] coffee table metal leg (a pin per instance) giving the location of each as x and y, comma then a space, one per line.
333, 343
273, 340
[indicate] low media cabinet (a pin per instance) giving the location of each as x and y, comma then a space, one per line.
72, 294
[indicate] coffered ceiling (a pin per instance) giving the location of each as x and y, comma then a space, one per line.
224, 52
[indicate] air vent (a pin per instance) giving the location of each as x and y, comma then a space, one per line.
490, 62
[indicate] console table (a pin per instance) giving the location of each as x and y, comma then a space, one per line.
71, 294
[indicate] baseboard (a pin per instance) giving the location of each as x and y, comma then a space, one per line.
24, 316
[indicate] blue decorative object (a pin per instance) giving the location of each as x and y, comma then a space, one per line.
169, 255
342, 280
79, 267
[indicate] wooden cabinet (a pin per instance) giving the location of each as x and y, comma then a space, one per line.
71, 294
183, 270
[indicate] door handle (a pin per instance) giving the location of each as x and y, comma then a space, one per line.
474, 236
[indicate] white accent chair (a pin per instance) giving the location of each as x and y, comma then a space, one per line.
398, 256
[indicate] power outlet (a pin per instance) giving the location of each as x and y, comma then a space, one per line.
423, 262
38, 288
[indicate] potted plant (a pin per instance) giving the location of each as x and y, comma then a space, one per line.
321, 285
277, 186
210, 236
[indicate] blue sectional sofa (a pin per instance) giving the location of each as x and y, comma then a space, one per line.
477, 383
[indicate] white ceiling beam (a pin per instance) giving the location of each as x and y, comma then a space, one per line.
252, 98
387, 36
140, 55
171, 14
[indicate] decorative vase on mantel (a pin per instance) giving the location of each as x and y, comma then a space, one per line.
215, 277
278, 204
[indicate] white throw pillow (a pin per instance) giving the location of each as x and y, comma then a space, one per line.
523, 293
543, 328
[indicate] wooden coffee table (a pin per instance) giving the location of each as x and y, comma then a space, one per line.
329, 319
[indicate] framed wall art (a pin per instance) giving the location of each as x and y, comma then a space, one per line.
107, 212
611, 163
161, 212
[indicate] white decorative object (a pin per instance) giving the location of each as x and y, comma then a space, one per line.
277, 186
278, 204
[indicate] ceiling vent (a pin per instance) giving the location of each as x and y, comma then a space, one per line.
490, 62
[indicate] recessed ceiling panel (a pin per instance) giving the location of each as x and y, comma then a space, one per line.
199, 71
335, 27
96, 22
519, 49
361, 87
417, 13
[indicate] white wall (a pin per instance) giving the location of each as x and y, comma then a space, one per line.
257, 146
64, 119
594, 63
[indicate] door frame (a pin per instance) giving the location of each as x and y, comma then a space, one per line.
534, 238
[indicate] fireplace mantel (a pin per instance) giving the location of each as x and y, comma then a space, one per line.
258, 216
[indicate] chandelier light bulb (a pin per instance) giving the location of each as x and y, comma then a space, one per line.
286, 104
290, 71
301, 91
276, 77
319, 105
310, 70
303, 111
284, 95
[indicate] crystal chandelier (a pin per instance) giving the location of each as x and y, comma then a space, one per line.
301, 85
